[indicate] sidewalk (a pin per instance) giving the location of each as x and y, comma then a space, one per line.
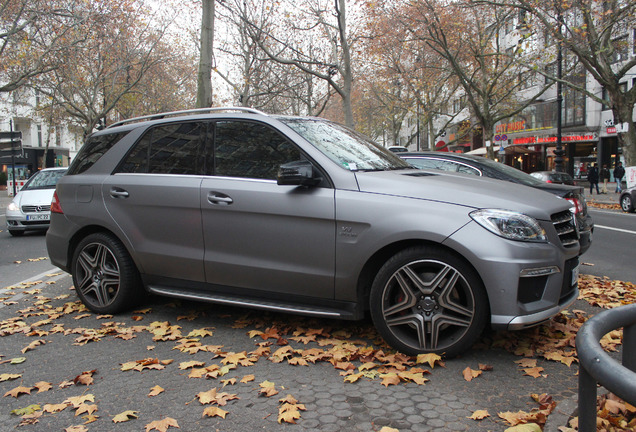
609, 198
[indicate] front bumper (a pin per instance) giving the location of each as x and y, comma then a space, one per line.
526, 283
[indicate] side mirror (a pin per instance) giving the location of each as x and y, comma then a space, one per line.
298, 173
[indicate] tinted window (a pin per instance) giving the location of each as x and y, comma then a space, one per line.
169, 149
94, 148
243, 149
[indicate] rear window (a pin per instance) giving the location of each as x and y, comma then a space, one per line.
94, 148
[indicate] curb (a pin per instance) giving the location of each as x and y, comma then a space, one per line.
561, 414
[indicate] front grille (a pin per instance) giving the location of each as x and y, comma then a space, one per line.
565, 226
35, 209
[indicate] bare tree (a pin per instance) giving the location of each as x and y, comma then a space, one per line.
32, 34
466, 39
597, 33
316, 41
117, 49
204, 86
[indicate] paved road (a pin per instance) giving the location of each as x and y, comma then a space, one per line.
444, 403
70, 346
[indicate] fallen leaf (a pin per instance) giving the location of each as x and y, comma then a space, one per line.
214, 411
247, 378
125, 416
26, 410
18, 391
155, 391
479, 415
162, 425
85, 408
8, 377
43, 386
77, 428
469, 374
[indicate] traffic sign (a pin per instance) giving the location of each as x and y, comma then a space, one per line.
10, 142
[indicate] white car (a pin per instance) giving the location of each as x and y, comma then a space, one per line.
31, 207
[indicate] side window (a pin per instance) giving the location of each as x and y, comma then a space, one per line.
175, 148
436, 164
94, 148
464, 169
250, 150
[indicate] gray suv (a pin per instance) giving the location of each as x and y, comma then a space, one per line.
302, 215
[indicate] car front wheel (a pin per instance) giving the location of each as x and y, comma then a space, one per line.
626, 203
104, 274
427, 300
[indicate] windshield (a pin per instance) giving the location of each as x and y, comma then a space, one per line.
344, 146
44, 180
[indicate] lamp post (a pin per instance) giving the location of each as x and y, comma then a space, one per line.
558, 151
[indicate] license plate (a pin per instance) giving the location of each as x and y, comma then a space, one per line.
575, 275
38, 217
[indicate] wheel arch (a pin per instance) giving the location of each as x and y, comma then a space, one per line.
375, 262
93, 229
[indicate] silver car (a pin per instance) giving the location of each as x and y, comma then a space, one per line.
302, 215
30, 209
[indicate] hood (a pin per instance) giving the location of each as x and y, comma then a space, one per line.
464, 190
34, 197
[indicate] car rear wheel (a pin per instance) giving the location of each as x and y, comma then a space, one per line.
105, 276
626, 203
427, 300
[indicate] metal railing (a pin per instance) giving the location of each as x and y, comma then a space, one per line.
596, 366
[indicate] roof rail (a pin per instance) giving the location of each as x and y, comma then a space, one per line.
185, 112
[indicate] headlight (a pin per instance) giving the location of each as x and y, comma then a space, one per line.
510, 225
13, 207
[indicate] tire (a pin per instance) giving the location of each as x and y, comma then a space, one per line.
626, 203
16, 233
105, 276
427, 300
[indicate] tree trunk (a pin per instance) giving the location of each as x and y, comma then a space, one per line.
204, 82
346, 59
626, 139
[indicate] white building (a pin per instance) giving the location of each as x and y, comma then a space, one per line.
45, 143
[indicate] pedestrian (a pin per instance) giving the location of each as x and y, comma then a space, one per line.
592, 177
619, 172
605, 177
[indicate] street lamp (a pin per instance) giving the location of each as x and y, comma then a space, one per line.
559, 152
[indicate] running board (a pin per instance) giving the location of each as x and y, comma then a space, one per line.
292, 308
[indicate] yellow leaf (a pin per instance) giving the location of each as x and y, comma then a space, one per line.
390, 379
247, 378
125, 416
155, 391
469, 374
162, 425
53, 408
214, 411
207, 397
528, 427
7, 377
190, 364
430, 358
479, 415
18, 391
533, 372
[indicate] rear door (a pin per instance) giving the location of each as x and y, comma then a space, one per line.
260, 236
154, 199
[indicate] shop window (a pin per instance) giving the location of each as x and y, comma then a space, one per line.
621, 51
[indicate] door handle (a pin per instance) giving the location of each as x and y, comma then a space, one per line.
118, 193
219, 198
